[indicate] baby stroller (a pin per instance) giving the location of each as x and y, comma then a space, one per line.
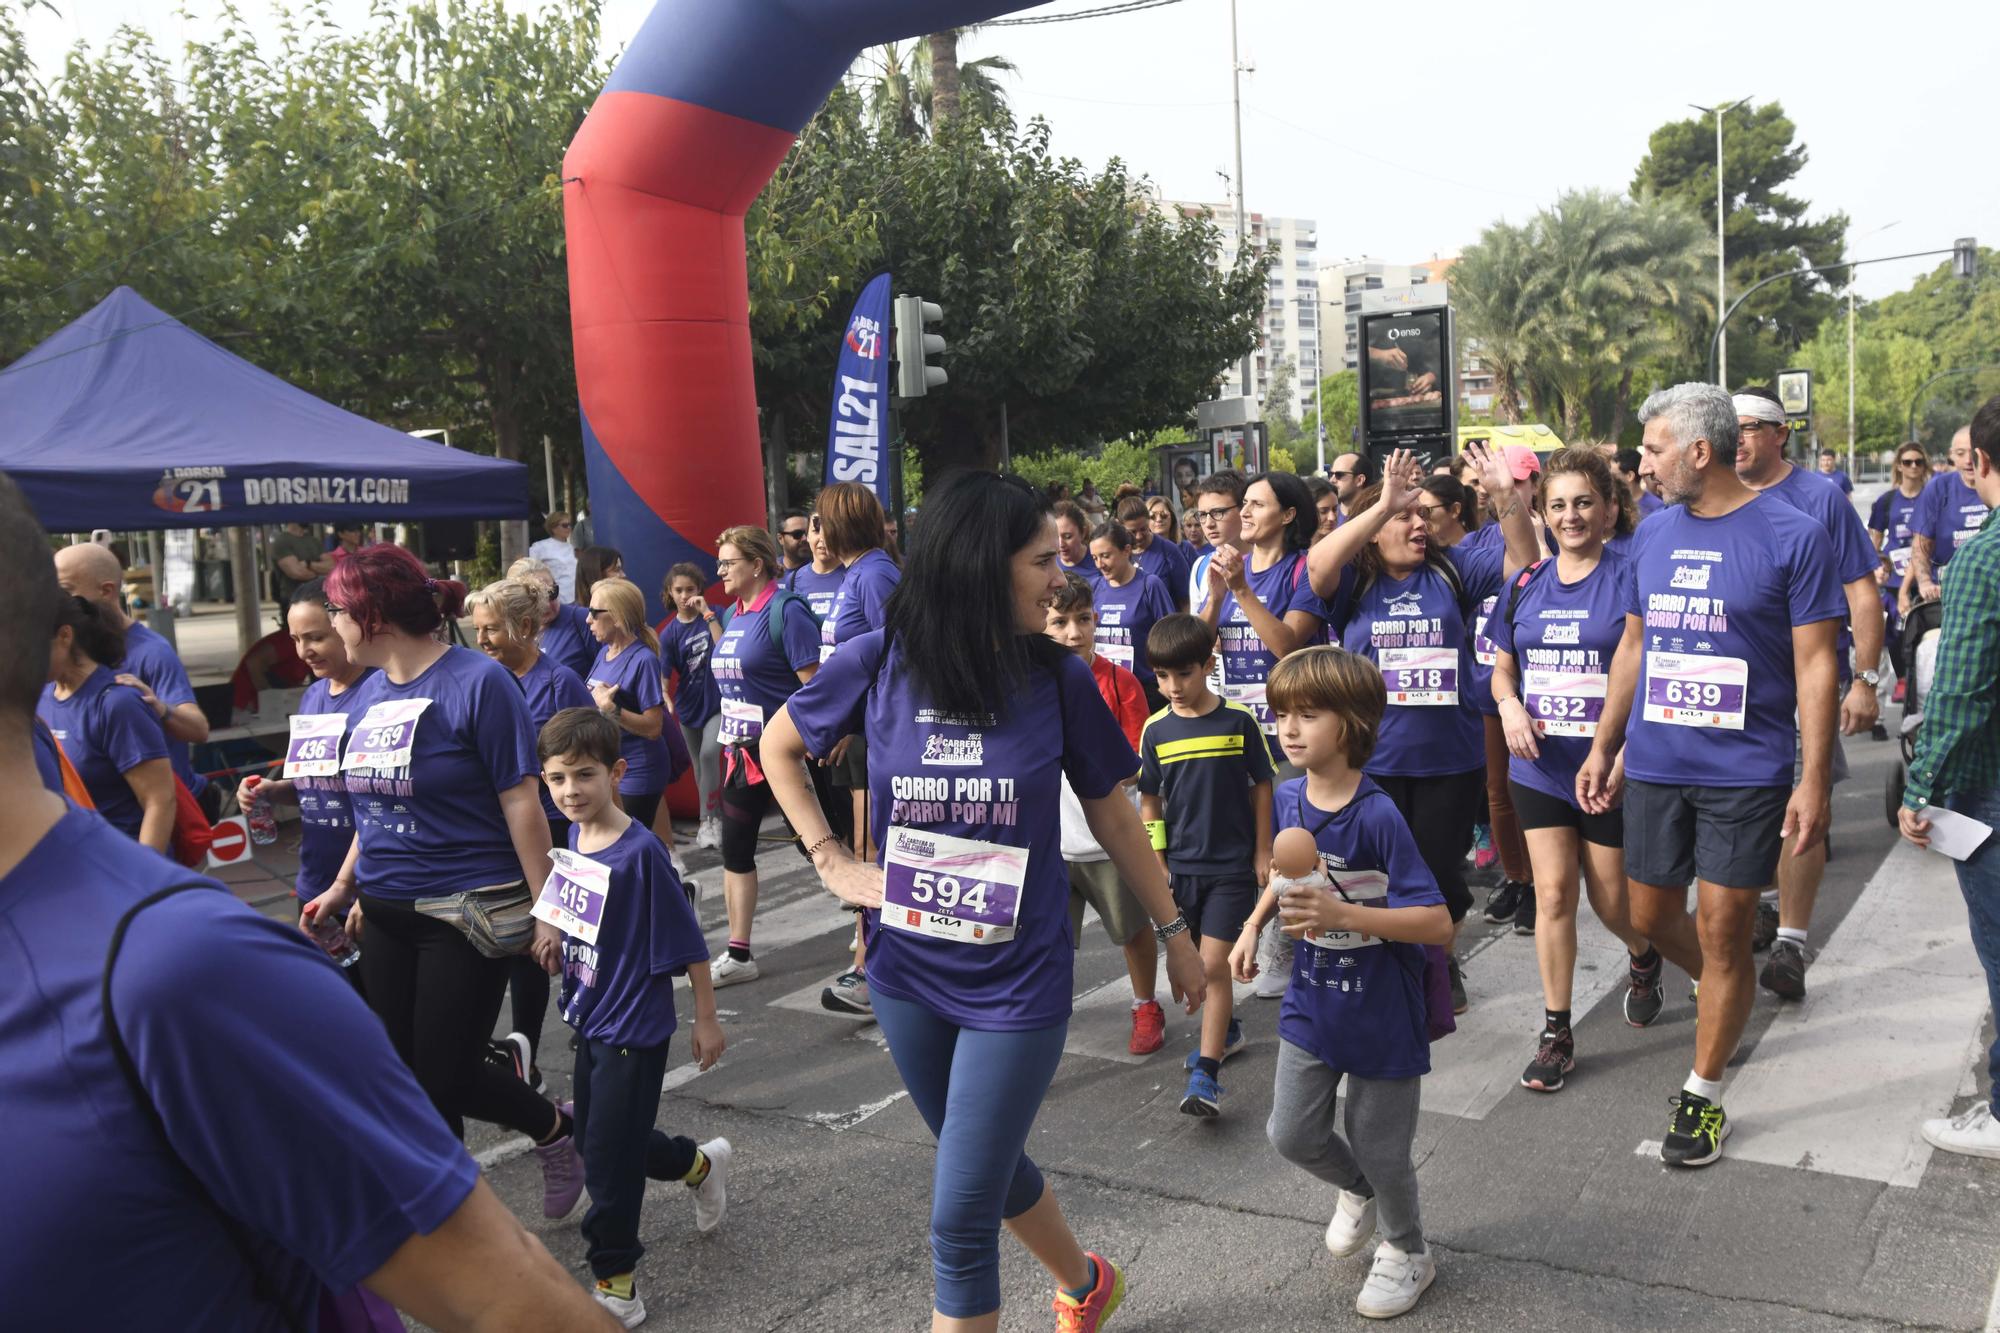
1920, 648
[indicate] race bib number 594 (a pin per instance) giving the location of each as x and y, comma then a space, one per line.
951, 888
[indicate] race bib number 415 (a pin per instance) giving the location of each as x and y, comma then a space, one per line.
951, 888
572, 897
1696, 690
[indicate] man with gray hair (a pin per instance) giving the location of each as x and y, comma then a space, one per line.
1731, 618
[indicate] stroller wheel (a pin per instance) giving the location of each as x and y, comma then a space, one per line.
1892, 793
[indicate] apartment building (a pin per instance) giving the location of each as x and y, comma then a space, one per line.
1291, 321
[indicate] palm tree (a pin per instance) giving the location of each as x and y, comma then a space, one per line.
1488, 287
913, 89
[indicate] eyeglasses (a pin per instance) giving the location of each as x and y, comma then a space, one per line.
1913, 462
1216, 515
1338, 475
724, 565
1745, 427
332, 610
797, 536
597, 611
1429, 512
560, 527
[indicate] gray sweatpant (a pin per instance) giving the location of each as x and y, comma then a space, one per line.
1374, 1158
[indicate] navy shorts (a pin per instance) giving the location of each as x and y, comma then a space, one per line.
1728, 836
1216, 906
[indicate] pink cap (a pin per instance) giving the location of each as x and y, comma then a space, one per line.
1521, 461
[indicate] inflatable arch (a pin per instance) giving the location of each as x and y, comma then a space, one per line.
696, 117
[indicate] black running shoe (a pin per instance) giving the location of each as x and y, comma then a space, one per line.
1784, 972
1642, 991
1555, 1058
1695, 1138
1524, 915
1765, 929
1503, 902
1459, 1004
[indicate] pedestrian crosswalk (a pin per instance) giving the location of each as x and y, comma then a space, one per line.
1835, 1085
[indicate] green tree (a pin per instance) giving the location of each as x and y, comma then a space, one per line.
1889, 368
1767, 230
1281, 421
1574, 302
1341, 392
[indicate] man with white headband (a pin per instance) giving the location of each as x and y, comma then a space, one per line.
1762, 434
1727, 655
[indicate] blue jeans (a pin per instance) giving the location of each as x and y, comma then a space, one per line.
979, 1092
1979, 881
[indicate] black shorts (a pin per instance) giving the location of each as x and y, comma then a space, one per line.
1535, 809
1216, 906
1728, 836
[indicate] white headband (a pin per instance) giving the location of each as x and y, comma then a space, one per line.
1760, 407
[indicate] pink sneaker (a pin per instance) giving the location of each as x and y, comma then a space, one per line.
562, 1176
1089, 1314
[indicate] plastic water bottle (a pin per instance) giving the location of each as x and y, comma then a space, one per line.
332, 930
263, 823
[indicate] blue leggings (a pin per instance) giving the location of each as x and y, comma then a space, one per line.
979, 1092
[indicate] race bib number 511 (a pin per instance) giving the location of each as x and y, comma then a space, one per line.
951, 888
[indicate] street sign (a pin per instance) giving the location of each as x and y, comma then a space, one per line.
230, 844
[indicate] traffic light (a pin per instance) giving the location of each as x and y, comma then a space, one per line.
1964, 257
915, 375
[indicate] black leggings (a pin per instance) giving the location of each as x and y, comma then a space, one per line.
744, 809
642, 806
438, 997
1440, 812
527, 984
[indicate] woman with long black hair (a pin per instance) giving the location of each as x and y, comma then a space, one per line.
969, 953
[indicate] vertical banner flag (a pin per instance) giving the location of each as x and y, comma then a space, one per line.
858, 435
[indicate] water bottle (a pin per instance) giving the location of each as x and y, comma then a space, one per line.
263, 823
330, 931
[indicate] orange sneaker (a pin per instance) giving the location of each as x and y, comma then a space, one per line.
1093, 1311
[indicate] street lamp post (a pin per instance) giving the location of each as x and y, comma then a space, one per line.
1721, 243
1242, 219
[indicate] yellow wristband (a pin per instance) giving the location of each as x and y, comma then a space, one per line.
1156, 832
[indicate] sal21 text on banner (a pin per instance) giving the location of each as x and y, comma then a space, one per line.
858, 431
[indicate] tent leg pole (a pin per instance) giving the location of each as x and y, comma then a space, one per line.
243, 574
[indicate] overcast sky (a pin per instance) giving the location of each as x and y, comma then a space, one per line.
1403, 129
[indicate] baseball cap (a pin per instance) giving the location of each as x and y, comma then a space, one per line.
1521, 461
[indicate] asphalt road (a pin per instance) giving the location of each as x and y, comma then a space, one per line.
1544, 1210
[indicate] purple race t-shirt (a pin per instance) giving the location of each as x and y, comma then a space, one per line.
549, 687
1480, 677
975, 916
862, 603
635, 672
1819, 497
1649, 505
278, 1089
1169, 563
107, 730
819, 590
754, 678
1562, 637
1356, 1001
1891, 517
1414, 630
620, 990
448, 743
1950, 513
153, 660
326, 827
1246, 662
684, 650
1718, 598
568, 639
1125, 616
1085, 570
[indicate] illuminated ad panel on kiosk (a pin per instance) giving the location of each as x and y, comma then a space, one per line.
1407, 373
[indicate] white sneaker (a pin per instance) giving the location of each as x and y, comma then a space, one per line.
727, 971
1274, 963
630, 1313
1973, 1132
1394, 1283
711, 1197
1352, 1227
709, 834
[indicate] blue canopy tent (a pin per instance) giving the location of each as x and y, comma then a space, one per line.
128, 419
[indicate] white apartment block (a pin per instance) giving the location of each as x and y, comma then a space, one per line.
1288, 331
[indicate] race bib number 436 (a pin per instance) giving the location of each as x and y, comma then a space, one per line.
314, 748
951, 888
1696, 690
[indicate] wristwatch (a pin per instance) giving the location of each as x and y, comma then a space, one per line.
1872, 679
1171, 929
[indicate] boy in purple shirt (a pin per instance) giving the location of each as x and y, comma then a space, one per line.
627, 930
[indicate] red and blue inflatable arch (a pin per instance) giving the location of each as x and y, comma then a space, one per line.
697, 115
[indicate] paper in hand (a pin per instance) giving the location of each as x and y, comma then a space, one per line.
1957, 836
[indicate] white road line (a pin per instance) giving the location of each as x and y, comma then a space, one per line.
504, 1151
1481, 1063
1100, 1026
1650, 1148
1893, 1008
817, 913
1993, 1307
843, 1120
